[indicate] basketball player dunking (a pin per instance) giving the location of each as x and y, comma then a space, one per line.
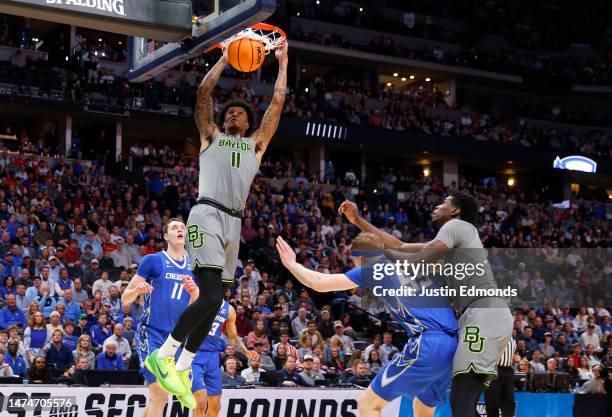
229, 161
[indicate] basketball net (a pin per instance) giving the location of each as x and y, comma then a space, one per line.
271, 37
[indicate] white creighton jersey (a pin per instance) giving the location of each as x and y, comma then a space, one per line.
227, 169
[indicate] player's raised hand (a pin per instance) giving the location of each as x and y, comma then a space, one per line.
252, 355
282, 53
144, 288
287, 255
190, 286
350, 210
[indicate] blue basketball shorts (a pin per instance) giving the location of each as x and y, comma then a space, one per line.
147, 340
423, 369
206, 373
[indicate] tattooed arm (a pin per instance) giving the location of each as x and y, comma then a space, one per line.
270, 120
205, 108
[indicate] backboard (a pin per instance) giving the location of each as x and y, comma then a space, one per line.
148, 57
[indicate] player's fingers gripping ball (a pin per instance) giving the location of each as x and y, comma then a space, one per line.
246, 55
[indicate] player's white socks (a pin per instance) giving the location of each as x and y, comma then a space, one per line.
184, 361
169, 348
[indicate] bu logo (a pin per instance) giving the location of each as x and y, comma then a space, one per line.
473, 339
195, 237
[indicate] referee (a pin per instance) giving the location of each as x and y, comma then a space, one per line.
500, 394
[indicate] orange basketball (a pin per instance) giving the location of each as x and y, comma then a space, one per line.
246, 55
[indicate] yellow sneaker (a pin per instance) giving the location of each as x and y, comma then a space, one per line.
187, 399
165, 372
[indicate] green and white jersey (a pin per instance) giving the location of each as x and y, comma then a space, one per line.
227, 169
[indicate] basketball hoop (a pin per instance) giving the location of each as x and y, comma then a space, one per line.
271, 37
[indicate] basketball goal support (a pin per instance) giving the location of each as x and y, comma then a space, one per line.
146, 61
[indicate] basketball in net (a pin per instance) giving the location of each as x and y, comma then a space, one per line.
247, 49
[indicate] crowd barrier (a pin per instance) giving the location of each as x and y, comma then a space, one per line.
268, 402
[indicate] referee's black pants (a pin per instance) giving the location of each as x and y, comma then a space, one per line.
500, 394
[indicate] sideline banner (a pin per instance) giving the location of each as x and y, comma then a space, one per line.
130, 402
527, 405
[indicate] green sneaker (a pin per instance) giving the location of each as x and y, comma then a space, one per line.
187, 400
165, 373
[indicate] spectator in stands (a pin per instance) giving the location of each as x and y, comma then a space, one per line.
584, 370
18, 73
10, 314
38, 373
79, 293
361, 376
253, 374
63, 282
335, 363
300, 322
546, 347
309, 375
82, 326
35, 337
46, 301
561, 346
22, 300
572, 369
536, 363
376, 344
69, 340
243, 324
312, 332
13, 335
54, 323
128, 330
108, 360
595, 385
79, 377
325, 326
103, 284
66, 377
387, 349
589, 354
265, 360
374, 362
230, 377
551, 366
58, 354
589, 337
33, 292
83, 350
73, 310
100, 332
9, 286
288, 376
259, 335
121, 343
15, 361
6, 371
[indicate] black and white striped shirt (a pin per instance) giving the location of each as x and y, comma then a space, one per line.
506, 357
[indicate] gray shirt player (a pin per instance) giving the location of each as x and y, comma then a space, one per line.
229, 187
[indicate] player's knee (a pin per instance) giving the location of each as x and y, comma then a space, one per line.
201, 403
214, 406
364, 405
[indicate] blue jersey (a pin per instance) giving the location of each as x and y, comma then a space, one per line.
214, 342
163, 306
415, 313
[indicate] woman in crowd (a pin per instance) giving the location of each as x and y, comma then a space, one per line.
35, 337
84, 350
32, 308
47, 303
259, 334
304, 346
336, 363
8, 287
280, 356
374, 363
584, 370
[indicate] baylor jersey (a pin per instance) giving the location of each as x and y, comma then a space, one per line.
227, 169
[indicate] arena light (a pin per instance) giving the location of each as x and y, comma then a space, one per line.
306, 90
395, 74
361, 9
427, 79
389, 84
412, 77
426, 172
326, 130
511, 182
576, 163
403, 78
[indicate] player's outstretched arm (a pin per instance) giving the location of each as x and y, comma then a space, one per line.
312, 279
350, 210
429, 252
232, 334
138, 285
204, 108
271, 118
